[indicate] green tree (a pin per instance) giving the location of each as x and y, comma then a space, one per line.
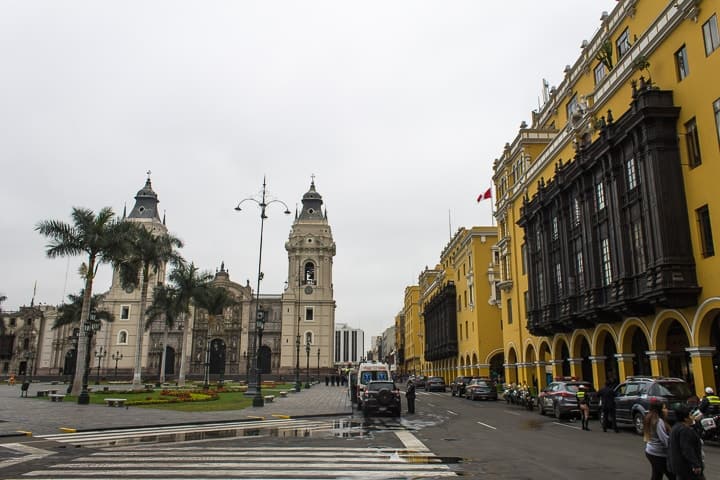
165, 306
189, 281
71, 312
147, 255
2, 324
102, 238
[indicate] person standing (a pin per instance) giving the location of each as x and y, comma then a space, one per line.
607, 401
656, 433
583, 400
685, 448
410, 396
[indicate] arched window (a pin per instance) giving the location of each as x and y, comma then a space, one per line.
309, 273
122, 338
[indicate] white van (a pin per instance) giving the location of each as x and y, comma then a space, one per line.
366, 372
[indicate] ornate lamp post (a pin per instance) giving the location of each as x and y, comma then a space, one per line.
91, 326
263, 203
307, 369
318, 372
117, 356
99, 354
258, 400
29, 355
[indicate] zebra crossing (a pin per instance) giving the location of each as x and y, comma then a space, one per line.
195, 462
156, 453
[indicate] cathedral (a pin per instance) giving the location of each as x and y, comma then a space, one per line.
299, 322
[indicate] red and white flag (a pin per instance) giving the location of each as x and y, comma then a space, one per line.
486, 195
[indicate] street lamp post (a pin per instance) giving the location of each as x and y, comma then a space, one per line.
117, 356
263, 203
29, 355
307, 369
90, 327
258, 400
318, 372
297, 334
99, 354
206, 370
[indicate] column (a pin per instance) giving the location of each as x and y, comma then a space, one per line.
576, 368
540, 369
659, 362
483, 369
598, 369
510, 369
557, 368
702, 368
625, 365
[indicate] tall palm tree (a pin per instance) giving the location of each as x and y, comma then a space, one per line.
165, 305
215, 300
147, 255
102, 238
71, 312
189, 282
2, 324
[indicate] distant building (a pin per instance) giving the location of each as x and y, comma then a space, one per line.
349, 344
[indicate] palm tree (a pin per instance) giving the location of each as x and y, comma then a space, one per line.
102, 238
215, 300
2, 324
147, 255
71, 312
189, 282
165, 305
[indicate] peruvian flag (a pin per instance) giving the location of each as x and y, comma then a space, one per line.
486, 195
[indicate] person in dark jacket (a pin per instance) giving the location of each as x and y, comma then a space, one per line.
607, 401
410, 396
685, 448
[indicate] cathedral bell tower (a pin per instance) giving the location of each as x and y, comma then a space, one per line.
308, 303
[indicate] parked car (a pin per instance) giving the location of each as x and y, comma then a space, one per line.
380, 396
482, 388
435, 384
560, 399
418, 380
457, 386
633, 398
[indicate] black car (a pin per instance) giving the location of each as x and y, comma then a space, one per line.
457, 386
381, 396
633, 398
559, 398
435, 384
482, 388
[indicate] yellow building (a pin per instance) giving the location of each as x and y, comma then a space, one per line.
605, 206
451, 318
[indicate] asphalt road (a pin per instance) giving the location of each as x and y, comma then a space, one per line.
497, 440
473, 439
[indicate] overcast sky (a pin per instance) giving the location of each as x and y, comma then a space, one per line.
397, 107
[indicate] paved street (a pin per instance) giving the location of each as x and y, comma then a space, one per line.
446, 437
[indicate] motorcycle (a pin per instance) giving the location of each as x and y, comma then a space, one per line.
526, 399
708, 428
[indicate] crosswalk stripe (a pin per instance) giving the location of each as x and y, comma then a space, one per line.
100, 437
183, 462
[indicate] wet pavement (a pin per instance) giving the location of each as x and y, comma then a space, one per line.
41, 416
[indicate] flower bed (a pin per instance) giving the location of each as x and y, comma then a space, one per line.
177, 396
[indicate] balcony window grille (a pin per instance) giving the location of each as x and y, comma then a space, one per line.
606, 262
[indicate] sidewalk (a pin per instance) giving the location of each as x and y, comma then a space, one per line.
41, 416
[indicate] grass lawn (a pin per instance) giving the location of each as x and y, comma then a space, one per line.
225, 401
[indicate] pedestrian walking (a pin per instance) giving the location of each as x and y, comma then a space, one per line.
685, 448
656, 433
583, 399
607, 405
410, 396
